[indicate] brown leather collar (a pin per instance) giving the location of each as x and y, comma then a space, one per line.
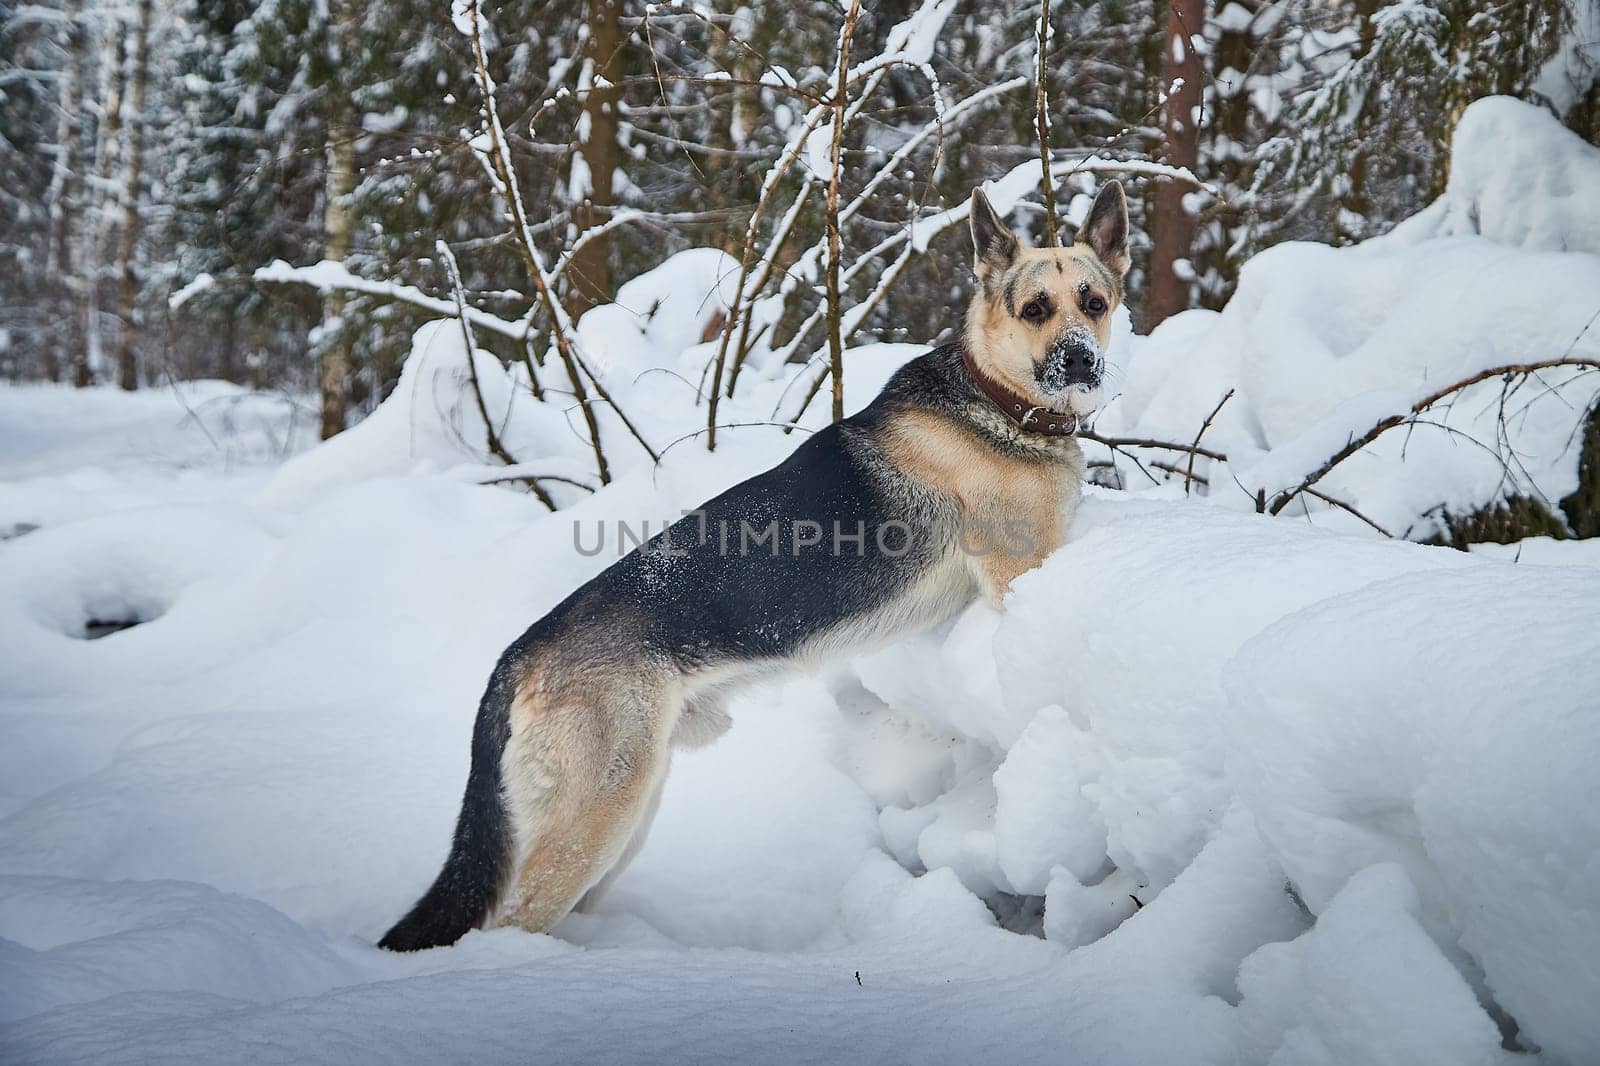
1027, 416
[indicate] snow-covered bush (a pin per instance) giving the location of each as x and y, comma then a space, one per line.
1320, 345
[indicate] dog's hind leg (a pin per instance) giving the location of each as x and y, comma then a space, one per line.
582, 783
700, 720
592, 898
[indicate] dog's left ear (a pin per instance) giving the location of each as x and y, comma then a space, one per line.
994, 246
1106, 229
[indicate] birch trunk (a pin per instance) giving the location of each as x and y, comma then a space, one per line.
339, 183
111, 50
58, 263
133, 179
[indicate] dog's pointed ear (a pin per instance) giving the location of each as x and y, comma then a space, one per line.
1106, 229
994, 246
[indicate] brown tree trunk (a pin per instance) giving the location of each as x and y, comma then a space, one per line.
1354, 204
1231, 161
133, 175
338, 184
597, 153
1171, 226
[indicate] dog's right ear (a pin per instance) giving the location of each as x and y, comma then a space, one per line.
994, 246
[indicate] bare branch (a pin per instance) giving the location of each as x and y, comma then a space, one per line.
1383, 425
1041, 115
491, 437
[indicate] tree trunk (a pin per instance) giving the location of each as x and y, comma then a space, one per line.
595, 163
339, 183
58, 264
1171, 226
133, 179
1354, 205
1230, 157
109, 44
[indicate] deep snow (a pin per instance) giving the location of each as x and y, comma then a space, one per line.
210, 816
1272, 790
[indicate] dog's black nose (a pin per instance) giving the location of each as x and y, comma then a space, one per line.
1072, 361
1079, 361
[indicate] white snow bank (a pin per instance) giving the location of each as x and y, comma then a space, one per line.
70, 453
1368, 967
65, 940
661, 314
1462, 752
208, 818
1270, 793
1518, 177
1321, 343
430, 422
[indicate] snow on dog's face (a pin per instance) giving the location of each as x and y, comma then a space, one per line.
1041, 318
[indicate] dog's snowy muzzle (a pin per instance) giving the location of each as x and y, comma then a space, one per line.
1073, 364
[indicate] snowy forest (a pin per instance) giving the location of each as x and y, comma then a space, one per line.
157, 153
341, 341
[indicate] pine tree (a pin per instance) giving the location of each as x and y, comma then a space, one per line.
1371, 136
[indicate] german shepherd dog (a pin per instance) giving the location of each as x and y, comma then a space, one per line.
960, 475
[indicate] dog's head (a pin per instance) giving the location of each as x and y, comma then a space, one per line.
1040, 320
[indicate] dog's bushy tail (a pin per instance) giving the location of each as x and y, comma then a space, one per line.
468, 887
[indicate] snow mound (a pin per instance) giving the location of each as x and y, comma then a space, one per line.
1450, 755
660, 314
70, 453
1518, 177
63, 941
123, 569
1319, 345
1367, 967
431, 421
1269, 791
208, 819
1322, 343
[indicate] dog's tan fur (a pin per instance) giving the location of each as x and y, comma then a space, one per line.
1013, 511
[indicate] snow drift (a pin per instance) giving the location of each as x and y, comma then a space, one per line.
1320, 343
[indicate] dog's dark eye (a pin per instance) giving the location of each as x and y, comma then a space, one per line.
1094, 305
1036, 310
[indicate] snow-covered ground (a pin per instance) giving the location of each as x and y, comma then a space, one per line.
1215, 788
209, 817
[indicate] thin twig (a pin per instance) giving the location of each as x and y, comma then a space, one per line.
1145, 442
491, 437
835, 241
1188, 474
1041, 113
507, 180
